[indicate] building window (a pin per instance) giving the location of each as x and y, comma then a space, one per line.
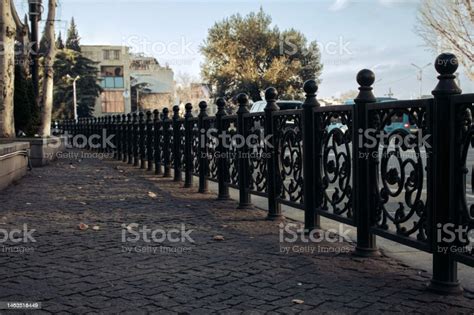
112, 102
106, 54
117, 54
112, 77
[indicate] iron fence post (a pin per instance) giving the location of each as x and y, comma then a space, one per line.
274, 207
135, 128
311, 219
222, 169
176, 144
130, 138
123, 134
156, 143
141, 142
149, 140
188, 135
364, 169
242, 152
202, 149
118, 138
445, 278
166, 143
96, 133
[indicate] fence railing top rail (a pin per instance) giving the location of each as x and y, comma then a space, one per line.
401, 104
334, 108
288, 112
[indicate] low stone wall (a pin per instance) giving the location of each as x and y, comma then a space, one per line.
13, 162
43, 150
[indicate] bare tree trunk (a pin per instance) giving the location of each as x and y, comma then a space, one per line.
47, 101
7, 70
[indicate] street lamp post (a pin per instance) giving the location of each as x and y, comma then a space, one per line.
420, 76
74, 94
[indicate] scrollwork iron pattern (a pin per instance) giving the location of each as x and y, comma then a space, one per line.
182, 141
289, 154
336, 161
230, 150
195, 145
464, 210
400, 162
254, 126
211, 148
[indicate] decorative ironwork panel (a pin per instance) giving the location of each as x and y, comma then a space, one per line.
399, 158
464, 176
289, 153
231, 151
195, 145
212, 141
255, 135
182, 141
335, 126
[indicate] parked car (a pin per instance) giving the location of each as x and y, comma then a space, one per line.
284, 105
398, 122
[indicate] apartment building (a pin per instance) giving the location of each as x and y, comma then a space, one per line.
114, 68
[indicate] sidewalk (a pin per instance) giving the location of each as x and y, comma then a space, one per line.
243, 270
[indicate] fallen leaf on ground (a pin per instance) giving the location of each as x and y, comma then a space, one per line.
83, 203
96, 227
297, 301
218, 238
72, 166
152, 194
82, 226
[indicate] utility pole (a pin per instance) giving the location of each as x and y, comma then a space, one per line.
35, 8
390, 93
420, 75
74, 94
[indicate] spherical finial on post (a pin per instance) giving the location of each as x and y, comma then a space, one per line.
446, 65
203, 107
156, 115
188, 107
310, 87
166, 112
140, 116
271, 96
176, 111
365, 78
221, 104
148, 115
134, 117
243, 101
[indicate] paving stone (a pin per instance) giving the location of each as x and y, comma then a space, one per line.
73, 271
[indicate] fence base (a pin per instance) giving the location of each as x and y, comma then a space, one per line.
366, 252
275, 217
445, 288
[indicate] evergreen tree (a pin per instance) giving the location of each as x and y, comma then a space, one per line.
73, 39
72, 63
59, 42
25, 111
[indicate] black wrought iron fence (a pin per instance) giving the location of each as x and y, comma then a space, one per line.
398, 170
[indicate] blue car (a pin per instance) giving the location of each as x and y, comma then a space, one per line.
398, 122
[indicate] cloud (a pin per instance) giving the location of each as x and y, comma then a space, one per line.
339, 5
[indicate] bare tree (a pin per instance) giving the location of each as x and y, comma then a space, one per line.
48, 73
449, 25
7, 71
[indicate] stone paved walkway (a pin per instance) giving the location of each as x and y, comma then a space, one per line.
87, 271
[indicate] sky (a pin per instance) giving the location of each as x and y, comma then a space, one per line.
352, 35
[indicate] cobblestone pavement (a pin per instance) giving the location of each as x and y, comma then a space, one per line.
92, 271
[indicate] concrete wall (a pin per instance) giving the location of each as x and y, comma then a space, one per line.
42, 150
13, 162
